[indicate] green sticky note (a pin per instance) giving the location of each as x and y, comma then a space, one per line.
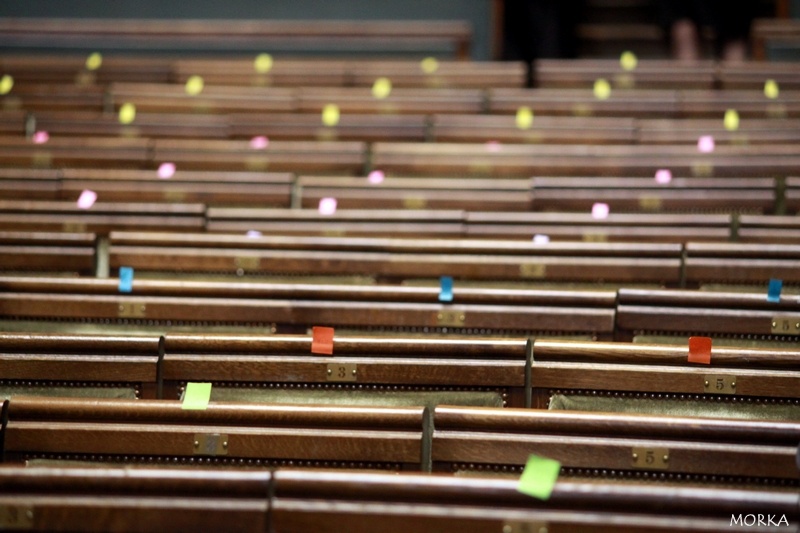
196, 396
539, 477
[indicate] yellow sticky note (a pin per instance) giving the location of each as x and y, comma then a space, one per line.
524, 118
94, 61
731, 120
196, 396
771, 89
602, 89
127, 113
330, 115
6, 83
263, 63
194, 85
539, 477
628, 60
429, 65
381, 88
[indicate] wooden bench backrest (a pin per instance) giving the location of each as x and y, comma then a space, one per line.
611, 442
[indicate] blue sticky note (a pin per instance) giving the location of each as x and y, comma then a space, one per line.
125, 279
774, 290
446, 289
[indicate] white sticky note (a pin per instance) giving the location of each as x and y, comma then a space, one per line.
327, 206
663, 176
600, 211
376, 176
40, 137
166, 170
87, 199
705, 144
259, 142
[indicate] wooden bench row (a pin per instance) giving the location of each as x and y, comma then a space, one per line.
403, 158
285, 190
105, 217
397, 259
173, 98
290, 500
159, 304
371, 127
454, 439
281, 71
392, 370
348, 37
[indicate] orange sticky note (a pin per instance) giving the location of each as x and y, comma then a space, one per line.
322, 340
700, 350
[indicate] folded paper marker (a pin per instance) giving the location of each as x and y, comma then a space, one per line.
700, 350
322, 340
196, 396
446, 289
774, 290
539, 477
125, 279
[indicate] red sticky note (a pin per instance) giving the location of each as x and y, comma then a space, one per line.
322, 340
700, 350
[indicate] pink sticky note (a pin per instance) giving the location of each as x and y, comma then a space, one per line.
705, 144
166, 170
327, 206
600, 210
663, 176
87, 199
40, 137
493, 146
540, 239
259, 143
376, 176
253, 233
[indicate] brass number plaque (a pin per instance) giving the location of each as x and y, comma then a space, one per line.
525, 527
342, 372
650, 458
16, 517
702, 170
414, 202
210, 444
716, 384
247, 263
74, 227
785, 325
450, 318
174, 195
131, 310
595, 237
533, 270
650, 203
